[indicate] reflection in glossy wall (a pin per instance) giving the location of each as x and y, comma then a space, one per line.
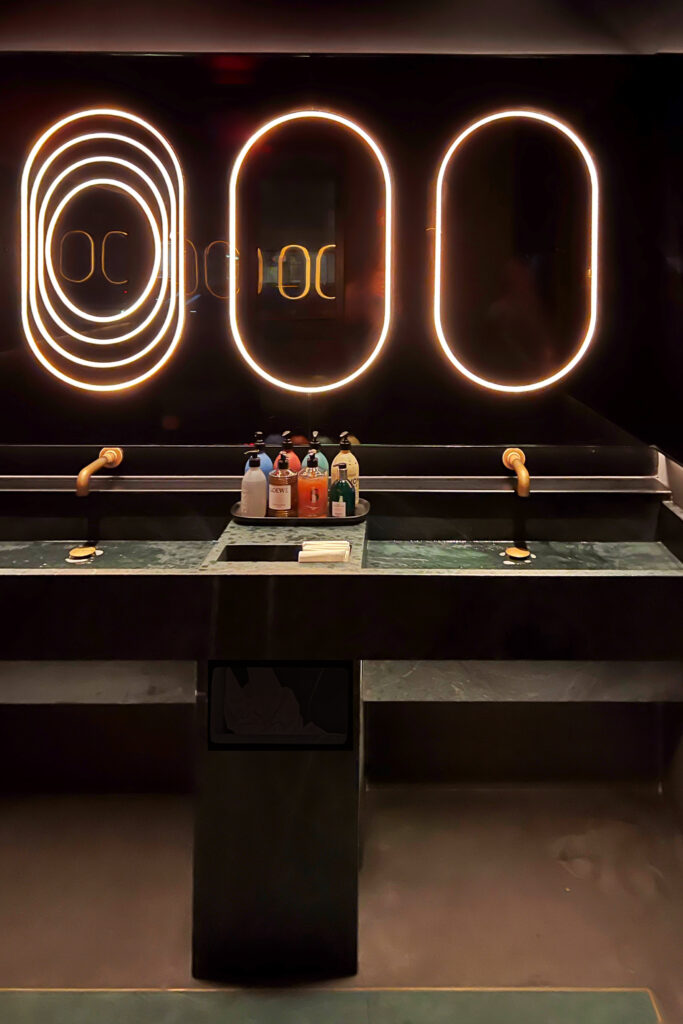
111, 179
516, 270
310, 215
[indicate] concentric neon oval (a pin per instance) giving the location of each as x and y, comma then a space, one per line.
592, 270
150, 176
234, 245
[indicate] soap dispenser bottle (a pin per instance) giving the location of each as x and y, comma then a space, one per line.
254, 490
322, 459
282, 492
342, 495
265, 461
312, 489
293, 459
344, 457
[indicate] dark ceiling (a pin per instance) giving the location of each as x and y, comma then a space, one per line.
429, 26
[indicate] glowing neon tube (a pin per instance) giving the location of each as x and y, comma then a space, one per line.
300, 115
592, 271
167, 228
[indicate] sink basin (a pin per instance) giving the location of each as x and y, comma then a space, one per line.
133, 530
259, 553
597, 555
598, 532
115, 554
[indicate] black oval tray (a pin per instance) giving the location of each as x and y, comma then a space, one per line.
362, 510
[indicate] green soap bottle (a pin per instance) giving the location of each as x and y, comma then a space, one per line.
342, 495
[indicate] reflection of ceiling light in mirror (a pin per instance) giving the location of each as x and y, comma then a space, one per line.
299, 115
592, 270
167, 229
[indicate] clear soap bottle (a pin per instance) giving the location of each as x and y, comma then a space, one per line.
344, 457
254, 490
282, 492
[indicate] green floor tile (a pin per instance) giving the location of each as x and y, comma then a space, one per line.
297, 1006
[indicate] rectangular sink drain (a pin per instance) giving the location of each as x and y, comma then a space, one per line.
259, 553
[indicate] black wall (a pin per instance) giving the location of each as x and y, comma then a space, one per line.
627, 109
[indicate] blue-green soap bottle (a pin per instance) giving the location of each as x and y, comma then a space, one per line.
315, 446
265, 461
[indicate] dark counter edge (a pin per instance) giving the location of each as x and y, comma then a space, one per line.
199, 617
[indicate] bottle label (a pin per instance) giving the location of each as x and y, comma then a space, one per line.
339, 509
280, 497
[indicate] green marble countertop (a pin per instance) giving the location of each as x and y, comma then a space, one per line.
186, 556
368, 557
117, 555
424, 556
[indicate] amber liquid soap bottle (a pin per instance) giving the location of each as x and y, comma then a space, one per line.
282, 492
312, 489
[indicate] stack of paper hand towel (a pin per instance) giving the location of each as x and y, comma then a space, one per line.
325, 551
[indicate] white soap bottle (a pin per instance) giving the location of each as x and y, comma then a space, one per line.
254, 490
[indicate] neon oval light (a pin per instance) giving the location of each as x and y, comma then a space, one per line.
45, 255
592, 270
299, 115
167, 232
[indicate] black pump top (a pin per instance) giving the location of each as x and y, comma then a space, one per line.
258, 442
287, 439
312, 460
315, 443
283, 462
344, 442
254, 462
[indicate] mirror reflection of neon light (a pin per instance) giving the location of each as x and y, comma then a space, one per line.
307, 272
592, 271
103, 258
91, 240
318, 271
300, 115
207, 250
193, 249
165, 217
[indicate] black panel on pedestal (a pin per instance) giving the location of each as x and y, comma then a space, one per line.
276, 827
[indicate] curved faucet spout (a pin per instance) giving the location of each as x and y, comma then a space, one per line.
108, 457
514, 459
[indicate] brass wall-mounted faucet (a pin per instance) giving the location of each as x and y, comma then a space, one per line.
514, 459
110, 457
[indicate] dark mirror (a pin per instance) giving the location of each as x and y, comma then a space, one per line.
515, 259
311, 202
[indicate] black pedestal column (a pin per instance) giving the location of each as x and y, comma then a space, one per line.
276, 819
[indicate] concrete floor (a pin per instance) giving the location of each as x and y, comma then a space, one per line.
499, 887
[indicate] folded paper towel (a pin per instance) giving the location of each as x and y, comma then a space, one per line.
325, 551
